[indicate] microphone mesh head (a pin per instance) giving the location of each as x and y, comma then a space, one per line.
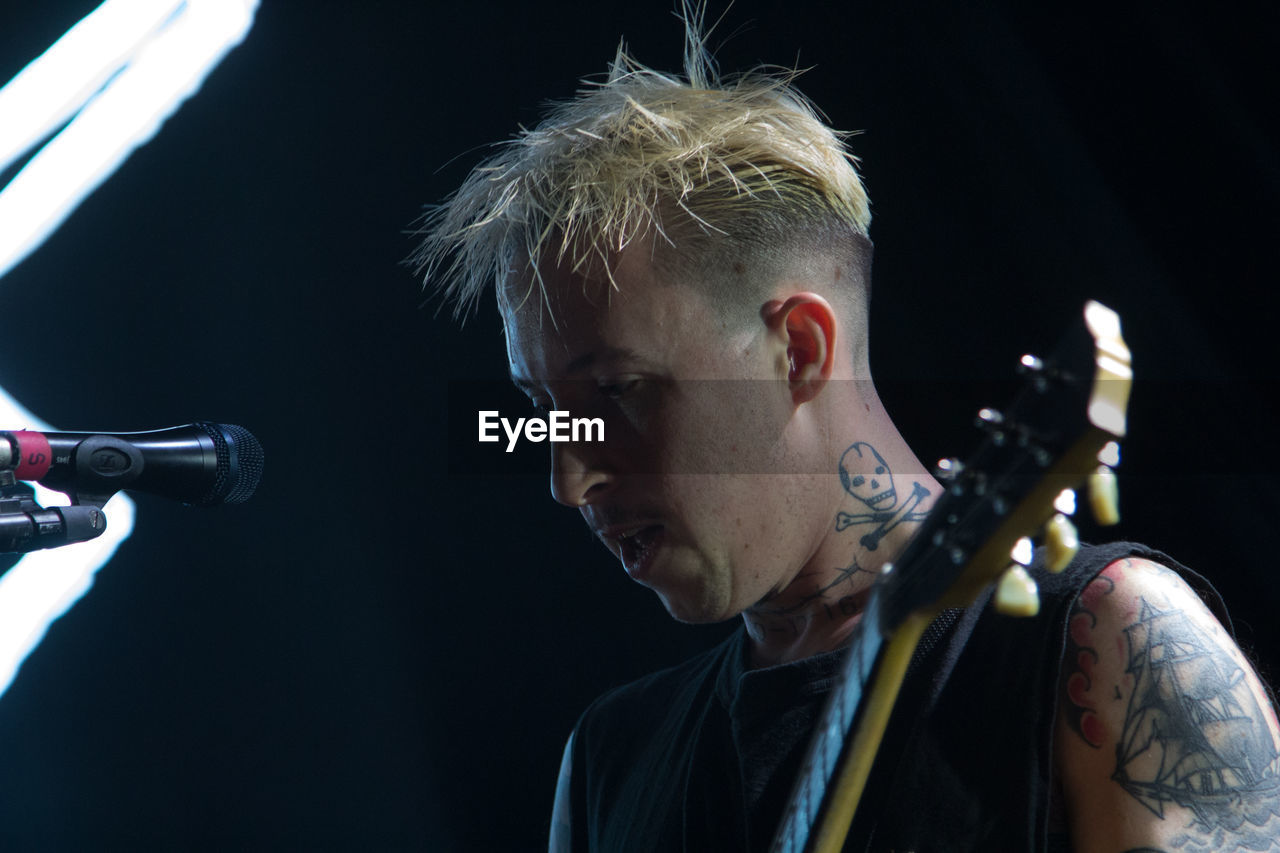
240, 460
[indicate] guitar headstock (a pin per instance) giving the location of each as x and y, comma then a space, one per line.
1062, 431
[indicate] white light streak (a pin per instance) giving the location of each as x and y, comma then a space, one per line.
150, 55
54, 87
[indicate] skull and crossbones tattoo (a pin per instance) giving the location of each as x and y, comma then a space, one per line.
878, 492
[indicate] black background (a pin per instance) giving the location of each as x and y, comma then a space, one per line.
381, 652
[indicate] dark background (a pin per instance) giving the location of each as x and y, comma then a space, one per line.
381, 652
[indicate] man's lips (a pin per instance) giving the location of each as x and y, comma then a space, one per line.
616, 535
634, 543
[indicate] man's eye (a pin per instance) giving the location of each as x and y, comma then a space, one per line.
616, 388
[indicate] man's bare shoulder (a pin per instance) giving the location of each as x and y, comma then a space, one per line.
1166, 738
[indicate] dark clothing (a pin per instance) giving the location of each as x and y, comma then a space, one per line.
701, 757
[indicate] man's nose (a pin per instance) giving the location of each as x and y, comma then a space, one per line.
577, 475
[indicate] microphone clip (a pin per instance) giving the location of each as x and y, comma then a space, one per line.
26, 526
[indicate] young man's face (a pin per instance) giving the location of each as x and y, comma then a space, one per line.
701, 488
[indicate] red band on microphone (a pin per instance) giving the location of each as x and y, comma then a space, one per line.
34, 455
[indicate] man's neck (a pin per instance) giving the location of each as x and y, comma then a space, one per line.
818, 608
816, 613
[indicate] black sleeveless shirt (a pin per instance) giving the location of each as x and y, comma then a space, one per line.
701, 757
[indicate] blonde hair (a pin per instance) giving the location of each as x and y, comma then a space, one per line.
647, 155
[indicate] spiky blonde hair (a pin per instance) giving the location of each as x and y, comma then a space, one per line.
704, 164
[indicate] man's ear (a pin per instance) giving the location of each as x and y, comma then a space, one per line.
804, 329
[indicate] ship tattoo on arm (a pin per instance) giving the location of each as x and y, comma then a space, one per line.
1195, 736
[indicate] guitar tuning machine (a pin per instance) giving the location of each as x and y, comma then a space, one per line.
1104, 496
1040, 372
1016, 593
1065, 502
991, 422
1109, 455
948, 470
1104, 491
1002, 431
952, 474
1061, 543
1031, 366
990, 418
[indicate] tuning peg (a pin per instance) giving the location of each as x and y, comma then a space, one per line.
1104, 496
1060, 542
989, 418
992, 422
1023, 552
1035, 370
1016, 593
1065, 502
1110, 454
948, 469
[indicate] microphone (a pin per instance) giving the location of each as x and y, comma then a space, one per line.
204, 464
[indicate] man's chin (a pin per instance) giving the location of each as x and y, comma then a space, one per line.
693, 609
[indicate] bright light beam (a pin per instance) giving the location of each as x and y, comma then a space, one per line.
173, 46
54, 87
117, 75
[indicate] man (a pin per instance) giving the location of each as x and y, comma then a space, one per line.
687, 259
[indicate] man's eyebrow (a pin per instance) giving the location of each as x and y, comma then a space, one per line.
580, 364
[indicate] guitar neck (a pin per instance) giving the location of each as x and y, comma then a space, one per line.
824, 800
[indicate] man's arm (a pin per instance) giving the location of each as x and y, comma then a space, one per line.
1166, 739
561, 825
